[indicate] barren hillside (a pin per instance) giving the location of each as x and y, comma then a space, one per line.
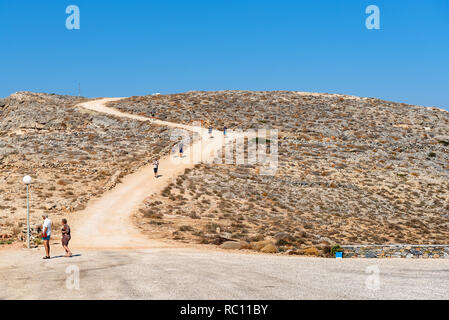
72, 154
351, 170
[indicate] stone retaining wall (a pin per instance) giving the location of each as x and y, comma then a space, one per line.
396, 251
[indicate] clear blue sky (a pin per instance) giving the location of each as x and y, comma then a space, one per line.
135, 47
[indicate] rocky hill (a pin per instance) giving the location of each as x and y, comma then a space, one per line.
351, 170
72, 154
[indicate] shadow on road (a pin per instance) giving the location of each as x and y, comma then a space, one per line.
61, 256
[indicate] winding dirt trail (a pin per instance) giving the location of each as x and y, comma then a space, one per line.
106, 222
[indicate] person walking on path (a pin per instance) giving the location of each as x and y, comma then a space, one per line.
225, 129
181, 150
46, 233
155, 167
210, 131
66, 238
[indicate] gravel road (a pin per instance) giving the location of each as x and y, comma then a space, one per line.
182, 273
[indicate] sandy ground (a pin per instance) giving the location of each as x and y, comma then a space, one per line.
115, 261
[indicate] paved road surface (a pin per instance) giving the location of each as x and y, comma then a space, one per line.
180, 273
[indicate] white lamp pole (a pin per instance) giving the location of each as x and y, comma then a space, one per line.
27, 180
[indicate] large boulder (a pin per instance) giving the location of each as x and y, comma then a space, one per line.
442, 139
269, 248
234, 245
281, 236
258, 245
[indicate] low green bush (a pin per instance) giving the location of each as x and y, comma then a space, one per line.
335, 249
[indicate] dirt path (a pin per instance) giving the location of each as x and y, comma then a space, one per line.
106, 222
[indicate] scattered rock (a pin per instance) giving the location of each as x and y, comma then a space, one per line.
281, 236
259, 244
218, 240
112, 182
235, 245
269, 248
311, 252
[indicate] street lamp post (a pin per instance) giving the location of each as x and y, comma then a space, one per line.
27, 181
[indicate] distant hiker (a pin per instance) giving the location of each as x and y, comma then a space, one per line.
173, 149
66, 238
181, 150
156, 167
46, 233
210, 131
225, 129
153, 113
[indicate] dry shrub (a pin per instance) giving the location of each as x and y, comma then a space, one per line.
150, 213
311, 252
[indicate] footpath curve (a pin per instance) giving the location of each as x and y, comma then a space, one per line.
106, 221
